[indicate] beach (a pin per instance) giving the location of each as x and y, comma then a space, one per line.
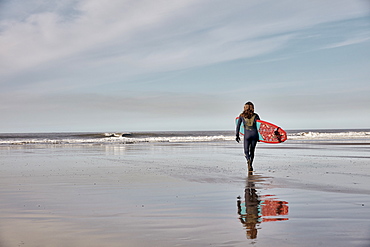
301, 193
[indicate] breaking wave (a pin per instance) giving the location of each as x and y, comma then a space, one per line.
169, 137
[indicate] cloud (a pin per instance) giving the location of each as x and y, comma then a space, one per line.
351, 41
161, 35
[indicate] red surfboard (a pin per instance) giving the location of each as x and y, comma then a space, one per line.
268, 132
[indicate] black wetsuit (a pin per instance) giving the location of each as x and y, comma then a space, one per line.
250, 135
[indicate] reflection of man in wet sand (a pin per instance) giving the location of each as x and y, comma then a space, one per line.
249, 209
256, 209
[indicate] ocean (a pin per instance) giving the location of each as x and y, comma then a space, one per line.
106, 138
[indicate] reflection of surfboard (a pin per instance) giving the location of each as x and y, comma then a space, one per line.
272, 209
268, 132
263, 208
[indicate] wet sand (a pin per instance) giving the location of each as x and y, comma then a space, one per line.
185, 194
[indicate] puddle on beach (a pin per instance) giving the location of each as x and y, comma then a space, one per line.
303, 217
255, 208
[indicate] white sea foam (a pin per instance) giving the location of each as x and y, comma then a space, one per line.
112, 139
169, 137
318, 135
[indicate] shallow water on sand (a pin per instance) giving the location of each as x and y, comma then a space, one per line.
184, 195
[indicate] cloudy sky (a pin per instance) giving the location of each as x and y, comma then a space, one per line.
141, 65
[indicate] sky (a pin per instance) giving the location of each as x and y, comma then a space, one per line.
144, 65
